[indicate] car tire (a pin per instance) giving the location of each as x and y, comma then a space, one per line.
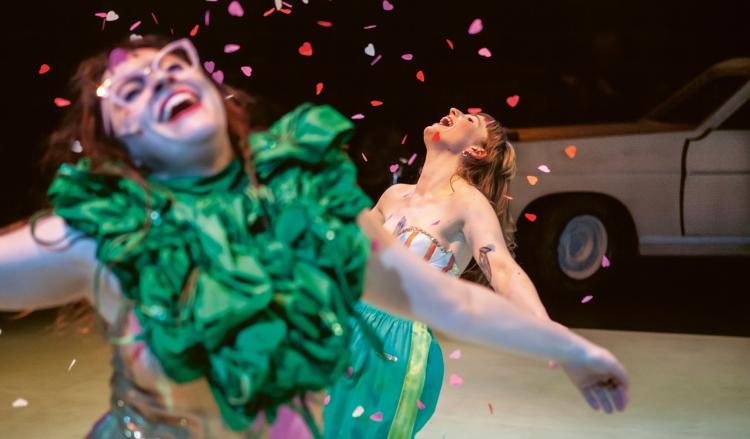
563, 249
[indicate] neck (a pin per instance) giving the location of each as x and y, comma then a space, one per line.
217, 157
438, 170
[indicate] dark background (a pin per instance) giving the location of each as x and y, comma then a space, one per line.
570, 61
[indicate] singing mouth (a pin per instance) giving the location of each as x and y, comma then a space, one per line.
177, 104
446, 121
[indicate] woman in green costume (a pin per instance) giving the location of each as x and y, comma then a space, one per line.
225, 275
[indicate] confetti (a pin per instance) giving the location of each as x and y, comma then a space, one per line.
374, 246
349, 372
377, 58
512, 101
135, 25
62, 102
44, 68
530, 216
435, 223
153, 16
111, 16
269, 12
209, 66
285, 11
231, 48
235, 9
318, 88
358, 116
218, 76
305, 49
246, 70
587, 299
327, 399
387, 6
404, 139
407, 57
370, 26
370, 50
474, 110
485, 52
364, 157
436, 137
455, 380
377, 417
72, 363
322, 23
492, 409
393, 168
450, 43
605, 262
207, 18
194, 30
420, 75
570, 151
20, 402
544, 168
532, 179
134, 37
508, 197
376, 103
455, 355
358, 411
420, 404
411, 159
476, 26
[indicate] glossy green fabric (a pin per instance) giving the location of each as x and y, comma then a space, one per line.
261, 312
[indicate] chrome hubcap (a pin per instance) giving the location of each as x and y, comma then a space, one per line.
582, 245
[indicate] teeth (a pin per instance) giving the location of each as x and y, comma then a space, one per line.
446, 121
174, 101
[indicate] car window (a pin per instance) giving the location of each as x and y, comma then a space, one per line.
694, 106
739, 120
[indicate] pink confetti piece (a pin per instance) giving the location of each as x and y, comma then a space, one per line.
377, 417
375, 61
231, 48
370, 50
370, 26
435, 223
349, 372
420, 76
305, 49
605, 262
387, 6
374, 246
101, 14
286, 4
411, 159
455, 355
476, 26
455, 380
325, 23
19, 402
358, 116
485, 52
512, 101
404, 139
544, 168
507, 197
358, 411
327, 399
209, 66
364, 157
587, 299
235, 9
218, 76
393, 168
530, 216
135, 25
61, 102
318, 88
375, 103
194, 30
207, 18
474, 110
492, 409
153, 17
450, 43
420, 404
44, 68
246, 70
407, 57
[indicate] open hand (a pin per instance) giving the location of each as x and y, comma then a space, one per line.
601, 379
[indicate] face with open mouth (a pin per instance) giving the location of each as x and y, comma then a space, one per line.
456, 131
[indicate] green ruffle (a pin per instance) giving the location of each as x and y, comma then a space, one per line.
261, 312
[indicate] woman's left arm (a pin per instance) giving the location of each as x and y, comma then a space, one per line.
485, 238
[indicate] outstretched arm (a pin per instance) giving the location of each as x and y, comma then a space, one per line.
34, 276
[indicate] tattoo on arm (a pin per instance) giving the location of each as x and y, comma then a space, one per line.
484, 263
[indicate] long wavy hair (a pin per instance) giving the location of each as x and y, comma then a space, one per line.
492, 174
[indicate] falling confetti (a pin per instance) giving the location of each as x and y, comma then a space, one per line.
20, 402
377, 417
327, 399
358, 116
231, 48
370, 26
111, 16
393, 168
508, 197
420, 76
194, 30
404, 139
305, 49
44, 68
376, 103
209, 66
387, 6
318, 88
570, 151
135, 25
153, 16
476, 26
455, 355
530, 216
411, 159
364, 157
587, 299
269, 12
492, 409
218, 76
358, 411
455, 380
436, 137
512, 101
62, 102
435, 223
532, 179
605, 262
370, 50
450, 43
374, 245
407, 57
349, 372
544, 168
235, 9
72, 363
246, 70
485, 52
420, 404
207, 18
375, 61
322, 23
474, 110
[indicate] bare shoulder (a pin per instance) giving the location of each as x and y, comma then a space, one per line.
468, 197
395, 192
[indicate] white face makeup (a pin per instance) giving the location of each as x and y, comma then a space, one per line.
457, 132
166, 110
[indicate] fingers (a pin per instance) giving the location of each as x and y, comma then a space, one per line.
589, 396
602, 398
619, 397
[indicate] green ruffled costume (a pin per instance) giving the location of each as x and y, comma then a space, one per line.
249, 287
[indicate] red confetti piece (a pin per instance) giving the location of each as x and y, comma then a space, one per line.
450, 43
246, 70
377, 417
393, 168
62, 102
325, 23
512, 101
474, 110
605, 262
492, 409
530, 216
376, 103
407, 57
420, 404
285, 11
587, 299
364, 157
44, 68
305, 49
194, 30
404, 139
436, 137
411, 159
269, 12
318, 88
485, 52
387, 6
570, 151
135, 25
455, 380
235, 9
476, 26
231, 48
532, 179
153, 17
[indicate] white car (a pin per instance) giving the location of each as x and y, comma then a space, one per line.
589, 198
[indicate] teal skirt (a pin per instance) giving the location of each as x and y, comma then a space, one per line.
397, 392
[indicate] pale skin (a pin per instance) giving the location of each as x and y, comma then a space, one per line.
34, 276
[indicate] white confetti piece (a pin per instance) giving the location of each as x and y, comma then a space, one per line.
358, 411
455, 355
72, 363
20, 402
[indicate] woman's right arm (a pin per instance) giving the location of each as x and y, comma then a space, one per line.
34, 276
